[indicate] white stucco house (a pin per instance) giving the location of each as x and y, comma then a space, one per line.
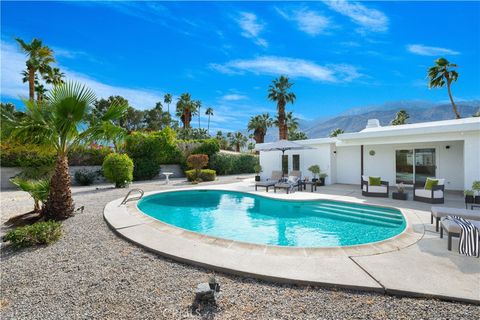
408, 153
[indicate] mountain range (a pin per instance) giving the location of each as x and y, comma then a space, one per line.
355, 119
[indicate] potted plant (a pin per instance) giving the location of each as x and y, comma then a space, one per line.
257, 168
400, 194
321, 179
468, 196
476, 190
315, 169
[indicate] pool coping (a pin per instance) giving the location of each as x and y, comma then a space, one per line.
272, 263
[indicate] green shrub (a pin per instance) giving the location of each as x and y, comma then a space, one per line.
149, 150
208, 147
37, 233
225, 164
205, 175
85, 177
118, 168
88, 156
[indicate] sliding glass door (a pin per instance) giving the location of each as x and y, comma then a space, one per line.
415, 165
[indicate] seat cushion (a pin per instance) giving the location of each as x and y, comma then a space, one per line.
375, 189
441, 212
451, 226
438, 194
430, 183
374, 181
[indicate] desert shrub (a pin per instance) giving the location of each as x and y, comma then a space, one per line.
149, 150
85, 177
203, 175
225, 164
208, 147
45, 232
118, 168
197, 162
38, 189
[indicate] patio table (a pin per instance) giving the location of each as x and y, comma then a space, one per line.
167, 175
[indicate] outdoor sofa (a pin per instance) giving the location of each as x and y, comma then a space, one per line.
380, 189
276, 176
289, 184
434, 194
438, 213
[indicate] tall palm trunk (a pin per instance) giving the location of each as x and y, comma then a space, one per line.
282, 126
31, 84
454, 107
237, 147
59, 204
208, 126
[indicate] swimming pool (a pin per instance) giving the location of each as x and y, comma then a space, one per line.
261, 220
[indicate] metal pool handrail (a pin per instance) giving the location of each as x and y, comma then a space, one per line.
126, 199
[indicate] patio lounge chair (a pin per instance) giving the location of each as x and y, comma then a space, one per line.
276, 176
440, 212
289, 184
368, 190
433, 195
453, 230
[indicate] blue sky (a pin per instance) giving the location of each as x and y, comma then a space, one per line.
338, 54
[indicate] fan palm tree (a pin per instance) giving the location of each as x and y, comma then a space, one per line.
167, 98
279, 92
291, 122
54, 76
198, 106
336, 132
209, 113
237, 140
259, 124
39, 59
40, 90
400, 118
442, 73
185, 109
55, 123
38, 190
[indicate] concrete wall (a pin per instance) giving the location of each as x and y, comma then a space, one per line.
471, 159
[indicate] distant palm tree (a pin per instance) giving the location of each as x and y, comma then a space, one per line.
185, 109
291, 122
40, 90
209, 113
336, 132
54, 76
237, 140
39, 59
56, 123
400, 118
259, 124
279, 92
167, 98
198, 105
440, 74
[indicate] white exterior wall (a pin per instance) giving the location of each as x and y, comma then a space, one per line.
348, 165
471, 159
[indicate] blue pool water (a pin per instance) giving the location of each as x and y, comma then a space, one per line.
255, 219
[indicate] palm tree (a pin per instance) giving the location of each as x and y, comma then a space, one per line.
167, 98
440, 74
279, 92
400, 118
39, 59
198, 105
185, 109
259, 125
336, 132
38, 190
209, 113
54, 76
55, 122
237, 140
291, 122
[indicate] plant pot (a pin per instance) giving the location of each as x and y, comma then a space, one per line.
477, 199
257, 178
321, 182
400, 195
469, 199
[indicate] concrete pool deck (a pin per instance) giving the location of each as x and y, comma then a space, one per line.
416, 262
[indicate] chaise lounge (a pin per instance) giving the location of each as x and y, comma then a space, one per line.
374, 187
276, 176
431, 192
452, 229
439, 212
289, 184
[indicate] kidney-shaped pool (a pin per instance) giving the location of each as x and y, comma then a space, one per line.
261, 220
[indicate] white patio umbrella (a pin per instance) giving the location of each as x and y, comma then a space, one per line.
281, 145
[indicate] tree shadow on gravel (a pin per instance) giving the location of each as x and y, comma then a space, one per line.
8, 251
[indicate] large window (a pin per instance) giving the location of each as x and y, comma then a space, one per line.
415, 165
296, 162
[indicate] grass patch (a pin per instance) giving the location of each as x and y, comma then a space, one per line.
45, 232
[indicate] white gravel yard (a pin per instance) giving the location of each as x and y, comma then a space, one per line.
93, 274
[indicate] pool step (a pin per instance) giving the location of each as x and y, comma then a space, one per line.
355, 218
365, 210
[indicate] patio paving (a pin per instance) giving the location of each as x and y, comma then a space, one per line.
416, 263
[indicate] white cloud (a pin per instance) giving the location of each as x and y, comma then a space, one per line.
430, 51
291, 67
310, 22
13, 62
233, 97
251, 28
368, 19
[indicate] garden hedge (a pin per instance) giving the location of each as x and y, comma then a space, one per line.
205, 175
225, 164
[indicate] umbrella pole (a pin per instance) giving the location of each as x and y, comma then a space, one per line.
281, 161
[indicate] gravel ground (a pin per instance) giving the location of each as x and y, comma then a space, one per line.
93, 274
